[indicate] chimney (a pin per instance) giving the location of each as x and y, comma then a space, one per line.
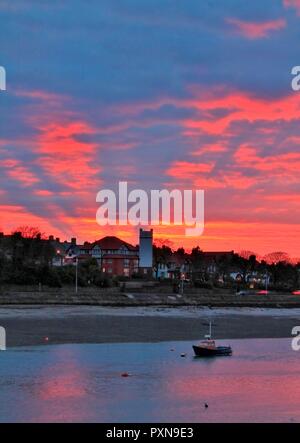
51, 238
73, 240
57, 239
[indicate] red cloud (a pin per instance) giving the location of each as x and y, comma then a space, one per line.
241, 107
198, 175
64, 157
254, 30
12, 216
43, 193
65, 148
17, 171
283, 166
186, 170
292, 4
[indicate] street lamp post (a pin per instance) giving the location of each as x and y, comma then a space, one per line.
76, 275
181, 284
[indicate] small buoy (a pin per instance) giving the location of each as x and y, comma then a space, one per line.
206, 405
172, 350
183, 355
46, 338
125, 374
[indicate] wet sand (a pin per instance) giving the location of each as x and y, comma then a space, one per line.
38, 325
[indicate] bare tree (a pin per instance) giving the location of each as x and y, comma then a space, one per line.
277, 257
160, 242
29, 232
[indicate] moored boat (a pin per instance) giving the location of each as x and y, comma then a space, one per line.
208, 348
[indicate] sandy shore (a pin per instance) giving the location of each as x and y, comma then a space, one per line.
84, 324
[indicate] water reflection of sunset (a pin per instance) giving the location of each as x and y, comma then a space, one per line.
83, 383
235, 388
61, 387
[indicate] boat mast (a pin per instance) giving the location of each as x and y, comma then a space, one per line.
209, 335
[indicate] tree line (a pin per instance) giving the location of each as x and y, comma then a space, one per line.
26, 258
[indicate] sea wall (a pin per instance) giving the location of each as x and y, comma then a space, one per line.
16, 295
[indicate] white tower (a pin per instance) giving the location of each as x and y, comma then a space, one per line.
146, 251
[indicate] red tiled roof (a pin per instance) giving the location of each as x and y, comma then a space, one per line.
111, 242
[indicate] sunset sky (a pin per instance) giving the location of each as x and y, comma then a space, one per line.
160, 93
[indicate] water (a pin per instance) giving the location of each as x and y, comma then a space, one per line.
83, 383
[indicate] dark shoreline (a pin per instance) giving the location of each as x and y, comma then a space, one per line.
115, 298
26, 326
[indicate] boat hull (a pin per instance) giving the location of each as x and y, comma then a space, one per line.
219, 351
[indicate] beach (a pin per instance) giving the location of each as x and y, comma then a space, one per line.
36, 325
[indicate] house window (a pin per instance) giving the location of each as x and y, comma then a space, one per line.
126, 272
109, 270
126, 262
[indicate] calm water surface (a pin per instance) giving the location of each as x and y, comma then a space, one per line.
83, 383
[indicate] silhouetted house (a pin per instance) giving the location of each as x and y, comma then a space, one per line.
114, 256
61, 250
117, 257
5, 246
214, 261
175, 267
